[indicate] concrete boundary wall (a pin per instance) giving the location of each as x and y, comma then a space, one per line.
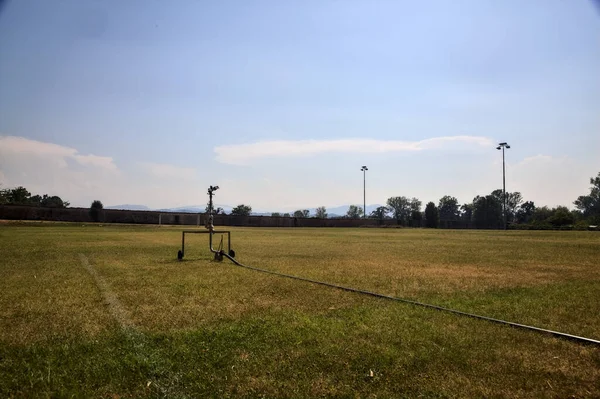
82, 215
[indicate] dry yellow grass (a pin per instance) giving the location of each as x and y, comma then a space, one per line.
203, 328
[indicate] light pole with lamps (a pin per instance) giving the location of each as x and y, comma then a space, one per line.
502, 146
364, 170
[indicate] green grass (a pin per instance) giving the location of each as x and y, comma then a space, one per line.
200, 328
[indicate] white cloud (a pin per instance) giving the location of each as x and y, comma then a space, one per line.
57, 153
241, 154
166, 171
47, 168
94, 160
21, 145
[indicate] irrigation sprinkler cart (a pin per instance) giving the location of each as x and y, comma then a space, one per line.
219, 252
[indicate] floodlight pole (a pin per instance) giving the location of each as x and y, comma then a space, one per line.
364, 170
503, 146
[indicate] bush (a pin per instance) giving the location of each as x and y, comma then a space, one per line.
95, 209
581, 225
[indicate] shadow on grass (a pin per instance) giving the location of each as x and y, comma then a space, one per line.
286, 354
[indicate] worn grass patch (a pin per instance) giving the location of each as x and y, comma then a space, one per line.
199, 328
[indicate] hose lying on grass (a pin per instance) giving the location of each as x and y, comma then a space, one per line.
375, 294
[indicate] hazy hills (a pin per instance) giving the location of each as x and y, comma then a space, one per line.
331, 211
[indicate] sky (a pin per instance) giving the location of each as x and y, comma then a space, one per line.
280, 103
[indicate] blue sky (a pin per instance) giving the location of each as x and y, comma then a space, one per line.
281, 102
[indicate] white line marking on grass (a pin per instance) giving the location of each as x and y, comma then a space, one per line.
140, 345
114, 305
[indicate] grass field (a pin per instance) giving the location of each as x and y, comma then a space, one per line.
108, 311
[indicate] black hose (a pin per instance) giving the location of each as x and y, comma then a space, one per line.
375, 294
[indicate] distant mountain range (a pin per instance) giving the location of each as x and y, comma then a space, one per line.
129, 207
187, 209
331, 212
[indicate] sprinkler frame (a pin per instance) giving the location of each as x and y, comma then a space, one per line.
211, 231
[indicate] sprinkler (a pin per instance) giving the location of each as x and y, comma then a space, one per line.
210, 230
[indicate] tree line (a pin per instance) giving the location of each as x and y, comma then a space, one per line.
487, 211
484, 211
21, 196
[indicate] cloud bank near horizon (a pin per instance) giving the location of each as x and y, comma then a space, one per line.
60, 154
44, 167
243, 154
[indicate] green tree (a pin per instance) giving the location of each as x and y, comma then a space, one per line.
53, 202
466, 212
498, 194
415, 218
19, 196
415, 205
380, 213
287, 215
321, 212
275, 214
487, 212
241, 210
525, 212
95, 209
4, 196
541, 215
577, 215
513, 200
448, 208
354, 212
589, 204
304, 213
400, 208
431, 215
415, 212
35, 200
561, 216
